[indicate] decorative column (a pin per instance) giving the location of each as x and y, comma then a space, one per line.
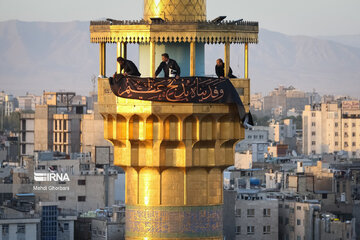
118, 54
227, 59
246, 61
192, 58
102, 56
152, 59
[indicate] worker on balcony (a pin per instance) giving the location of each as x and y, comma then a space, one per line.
129, 67
170, 67
220, 71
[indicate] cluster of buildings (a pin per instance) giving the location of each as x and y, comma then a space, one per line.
297, 183
282, 102
292, 199
57, 175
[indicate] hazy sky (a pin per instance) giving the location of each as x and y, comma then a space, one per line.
302, 17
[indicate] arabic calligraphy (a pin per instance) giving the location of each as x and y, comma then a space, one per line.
183, 90
193, 89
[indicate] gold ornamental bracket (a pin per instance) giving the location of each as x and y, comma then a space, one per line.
202, 31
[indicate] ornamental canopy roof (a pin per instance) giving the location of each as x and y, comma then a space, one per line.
113, 31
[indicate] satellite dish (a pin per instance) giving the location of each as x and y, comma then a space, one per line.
294, 153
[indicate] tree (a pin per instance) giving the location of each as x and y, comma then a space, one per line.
12, 122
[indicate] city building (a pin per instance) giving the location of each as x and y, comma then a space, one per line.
332, 128
56, 223
297, 218
282, 131
253, 148
16, 224
11, 104
256, 217
282, 99
27, 134
105, 227
28, 102
88, 187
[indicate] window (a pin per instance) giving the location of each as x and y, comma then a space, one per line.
354, 134
251, 212
266, 229
292, 210
66, 226
313, 143
238, 212
286, 221
249, 137
20, 228
313, 133
336, 143
313, 124
353, 125
298, 222
346, 144
336, 134
313, 114
61, 198
346, 135
267, 212
65, 125
55, 124
286, 206
324, 196
59, 124
5, 229
238, 230
82, 182
81, 198
23, 149
23, 136
250, 230
313, 152
280, 205
280, 220
354, 144
298, 237
65, 138
336, 124
255, 136
346, 125
298, 208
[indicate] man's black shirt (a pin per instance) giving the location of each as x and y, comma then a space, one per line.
163, 66
220, 71
130, 68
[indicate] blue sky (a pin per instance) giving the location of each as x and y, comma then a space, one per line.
305, 17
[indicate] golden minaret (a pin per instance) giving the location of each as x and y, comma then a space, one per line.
173, 154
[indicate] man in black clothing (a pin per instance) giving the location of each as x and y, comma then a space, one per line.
129, 67
219, 69
170, 67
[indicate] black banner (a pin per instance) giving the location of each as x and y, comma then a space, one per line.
183, 90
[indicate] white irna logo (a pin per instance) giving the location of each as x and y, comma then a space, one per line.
49, 177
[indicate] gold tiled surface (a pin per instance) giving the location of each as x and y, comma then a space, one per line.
173, 156
175, 10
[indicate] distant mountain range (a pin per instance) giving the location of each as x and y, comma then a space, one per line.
37, 56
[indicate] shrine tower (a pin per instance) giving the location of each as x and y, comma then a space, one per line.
173, 154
